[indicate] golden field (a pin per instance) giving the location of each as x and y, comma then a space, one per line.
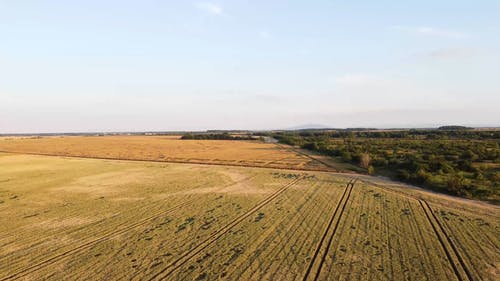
165, 149
98, 219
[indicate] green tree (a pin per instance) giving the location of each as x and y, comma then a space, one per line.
371, 170
346, 156
456, 184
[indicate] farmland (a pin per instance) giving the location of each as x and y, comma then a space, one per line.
263, 212
165, 149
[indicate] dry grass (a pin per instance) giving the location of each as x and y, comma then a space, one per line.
384, 237
168, 149
72, 218
52, 205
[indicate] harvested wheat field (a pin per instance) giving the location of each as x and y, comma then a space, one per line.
165, 149
95, 219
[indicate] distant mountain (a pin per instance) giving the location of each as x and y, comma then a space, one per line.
308, 126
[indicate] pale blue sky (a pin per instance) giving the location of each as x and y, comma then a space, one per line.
191, 65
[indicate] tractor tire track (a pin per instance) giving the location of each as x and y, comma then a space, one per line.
292, 168
340, 207
407, 195
447, 236
59, 257
436, 225
107, 236
177, 263
100, 221
289, 233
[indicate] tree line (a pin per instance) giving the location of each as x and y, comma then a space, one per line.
221, 136
458, 162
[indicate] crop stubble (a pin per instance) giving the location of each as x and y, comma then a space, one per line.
142, 220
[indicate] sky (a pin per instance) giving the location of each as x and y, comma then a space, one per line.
153, 65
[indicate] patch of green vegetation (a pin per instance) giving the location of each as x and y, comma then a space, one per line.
185, 224
460, 162
259, 217
285, 175
221, 136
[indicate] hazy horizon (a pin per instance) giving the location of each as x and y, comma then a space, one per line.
198, 65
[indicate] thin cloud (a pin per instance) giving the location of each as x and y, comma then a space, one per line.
452, 53
431, 31
211, 8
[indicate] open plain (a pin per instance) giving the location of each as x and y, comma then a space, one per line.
224, 210
165, 149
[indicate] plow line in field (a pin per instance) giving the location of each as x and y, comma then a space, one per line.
316, 262
196, 162
452, 253
446, 243
176, 264
110, 234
